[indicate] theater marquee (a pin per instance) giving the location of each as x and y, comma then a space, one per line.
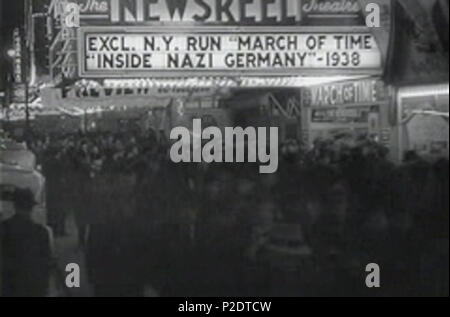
220, 12
141, 38
142, 52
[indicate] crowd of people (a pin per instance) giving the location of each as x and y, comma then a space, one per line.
209, 229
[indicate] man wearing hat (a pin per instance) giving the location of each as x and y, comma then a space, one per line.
26, 251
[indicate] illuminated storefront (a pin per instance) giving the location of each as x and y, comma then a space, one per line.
422, 117
420, 78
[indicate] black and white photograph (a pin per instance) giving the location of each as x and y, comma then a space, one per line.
224, 149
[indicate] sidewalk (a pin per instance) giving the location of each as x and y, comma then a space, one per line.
67, 252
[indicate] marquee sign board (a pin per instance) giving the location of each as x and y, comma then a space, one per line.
141, 53
128, 38
352, 93
221, 12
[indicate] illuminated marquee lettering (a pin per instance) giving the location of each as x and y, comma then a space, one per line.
125, 61
218, 12
141, 51
204, 43
330, 6
94, 6
268, 43
190, 61
353, 93
107, 44
265, 60
201, 11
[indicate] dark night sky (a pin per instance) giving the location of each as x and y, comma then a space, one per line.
11, 16
11, 13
